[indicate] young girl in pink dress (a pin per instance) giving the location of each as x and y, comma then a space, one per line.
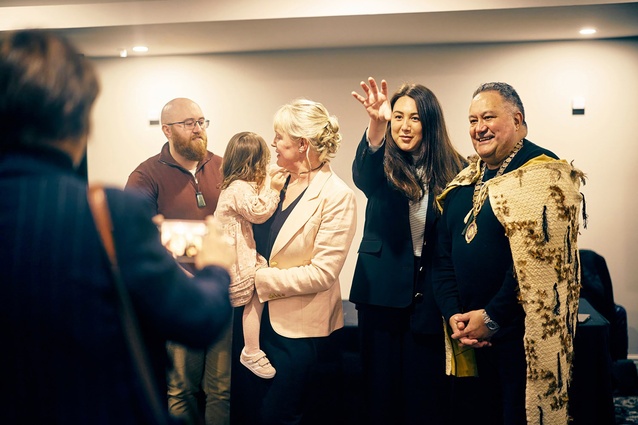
249, 196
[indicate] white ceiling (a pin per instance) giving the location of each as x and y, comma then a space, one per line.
100, 28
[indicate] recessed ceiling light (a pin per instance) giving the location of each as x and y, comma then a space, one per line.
140, 49
123, 53
588, 31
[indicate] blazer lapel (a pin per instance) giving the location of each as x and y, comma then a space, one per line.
304, 209
430, 219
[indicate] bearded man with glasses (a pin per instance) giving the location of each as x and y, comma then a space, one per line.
182, 182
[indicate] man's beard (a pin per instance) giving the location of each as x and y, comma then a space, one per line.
192, 150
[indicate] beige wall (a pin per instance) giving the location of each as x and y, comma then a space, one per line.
242, 91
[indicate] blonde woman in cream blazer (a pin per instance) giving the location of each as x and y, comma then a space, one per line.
302, 283
306, 243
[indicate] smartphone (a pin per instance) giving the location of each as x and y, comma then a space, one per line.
183, 238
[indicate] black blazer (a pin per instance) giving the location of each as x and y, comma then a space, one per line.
385, 273
65, 359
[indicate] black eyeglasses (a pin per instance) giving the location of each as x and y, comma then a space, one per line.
190, 124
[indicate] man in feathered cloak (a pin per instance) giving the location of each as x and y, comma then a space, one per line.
507, 270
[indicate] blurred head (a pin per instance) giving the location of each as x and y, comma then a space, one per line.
497, 122
47, 90
306, 135
246, 158
181, 120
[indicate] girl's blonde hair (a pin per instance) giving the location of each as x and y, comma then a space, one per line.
246, 158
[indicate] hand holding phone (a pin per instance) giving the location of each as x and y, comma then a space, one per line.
183, 238
217, 249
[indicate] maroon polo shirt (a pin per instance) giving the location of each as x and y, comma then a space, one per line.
171, 190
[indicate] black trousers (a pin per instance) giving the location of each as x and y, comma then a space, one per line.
307, 388
498, 393
404, 378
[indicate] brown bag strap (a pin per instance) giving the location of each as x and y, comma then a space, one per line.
99, 207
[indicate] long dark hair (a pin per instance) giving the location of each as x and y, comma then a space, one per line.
436, 154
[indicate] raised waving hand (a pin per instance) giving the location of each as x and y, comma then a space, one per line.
377, 106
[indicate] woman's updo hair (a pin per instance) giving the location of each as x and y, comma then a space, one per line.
305, 119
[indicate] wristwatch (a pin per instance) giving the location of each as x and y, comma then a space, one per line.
491, 324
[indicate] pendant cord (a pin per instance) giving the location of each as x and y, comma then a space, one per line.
478, 197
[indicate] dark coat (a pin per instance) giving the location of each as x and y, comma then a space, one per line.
385, 273
64, 358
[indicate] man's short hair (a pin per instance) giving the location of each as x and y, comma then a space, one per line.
507, 92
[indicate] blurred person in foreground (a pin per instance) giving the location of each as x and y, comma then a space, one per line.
65, 359
507, 268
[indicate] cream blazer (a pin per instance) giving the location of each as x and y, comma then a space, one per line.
301, 285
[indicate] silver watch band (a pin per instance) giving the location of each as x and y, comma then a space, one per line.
491, 324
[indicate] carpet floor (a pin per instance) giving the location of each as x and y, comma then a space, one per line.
626, 410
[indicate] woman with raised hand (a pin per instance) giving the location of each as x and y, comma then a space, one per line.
403, 161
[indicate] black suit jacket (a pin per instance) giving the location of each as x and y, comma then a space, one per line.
64, 356
385, 272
